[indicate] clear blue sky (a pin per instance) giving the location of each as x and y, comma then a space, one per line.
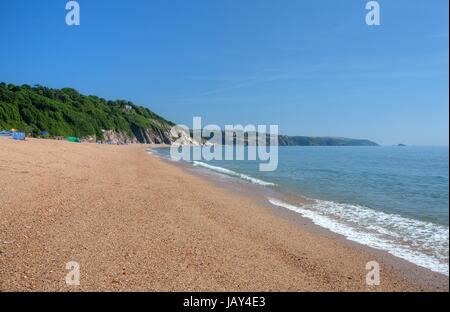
313, 67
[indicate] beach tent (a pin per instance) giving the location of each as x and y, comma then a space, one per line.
73, 139
18, 136
5, 133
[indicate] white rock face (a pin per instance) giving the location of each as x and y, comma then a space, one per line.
181, 137
117, 137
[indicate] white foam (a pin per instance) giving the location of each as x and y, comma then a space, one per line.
422, 243
233, 173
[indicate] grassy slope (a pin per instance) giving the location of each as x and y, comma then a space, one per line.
67, 112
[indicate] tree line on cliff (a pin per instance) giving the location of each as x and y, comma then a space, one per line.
66, 112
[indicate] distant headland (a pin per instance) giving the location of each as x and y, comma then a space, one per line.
66, 112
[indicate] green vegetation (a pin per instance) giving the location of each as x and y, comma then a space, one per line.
284, 140
322, 141
66, 112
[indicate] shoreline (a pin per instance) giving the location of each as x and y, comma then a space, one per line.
130, 229
260, 195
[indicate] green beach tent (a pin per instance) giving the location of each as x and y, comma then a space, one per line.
73, 139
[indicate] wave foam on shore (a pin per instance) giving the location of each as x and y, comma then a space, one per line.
233, 173
422, 243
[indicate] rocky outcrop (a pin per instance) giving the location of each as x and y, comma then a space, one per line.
115, 137
181, 137
151, 135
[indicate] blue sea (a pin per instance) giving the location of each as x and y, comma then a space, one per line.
390, 198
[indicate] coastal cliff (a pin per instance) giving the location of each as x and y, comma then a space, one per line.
66, 112
42, 111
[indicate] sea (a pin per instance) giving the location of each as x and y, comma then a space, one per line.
390, 198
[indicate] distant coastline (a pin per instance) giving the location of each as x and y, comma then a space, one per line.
65, 112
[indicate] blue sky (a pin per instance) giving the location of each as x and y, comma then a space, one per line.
312, 67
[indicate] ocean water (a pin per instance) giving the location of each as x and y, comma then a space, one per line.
390, 198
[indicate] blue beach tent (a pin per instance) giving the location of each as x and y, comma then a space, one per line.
18, 136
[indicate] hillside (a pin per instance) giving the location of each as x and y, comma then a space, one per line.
66, 112
285, 140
